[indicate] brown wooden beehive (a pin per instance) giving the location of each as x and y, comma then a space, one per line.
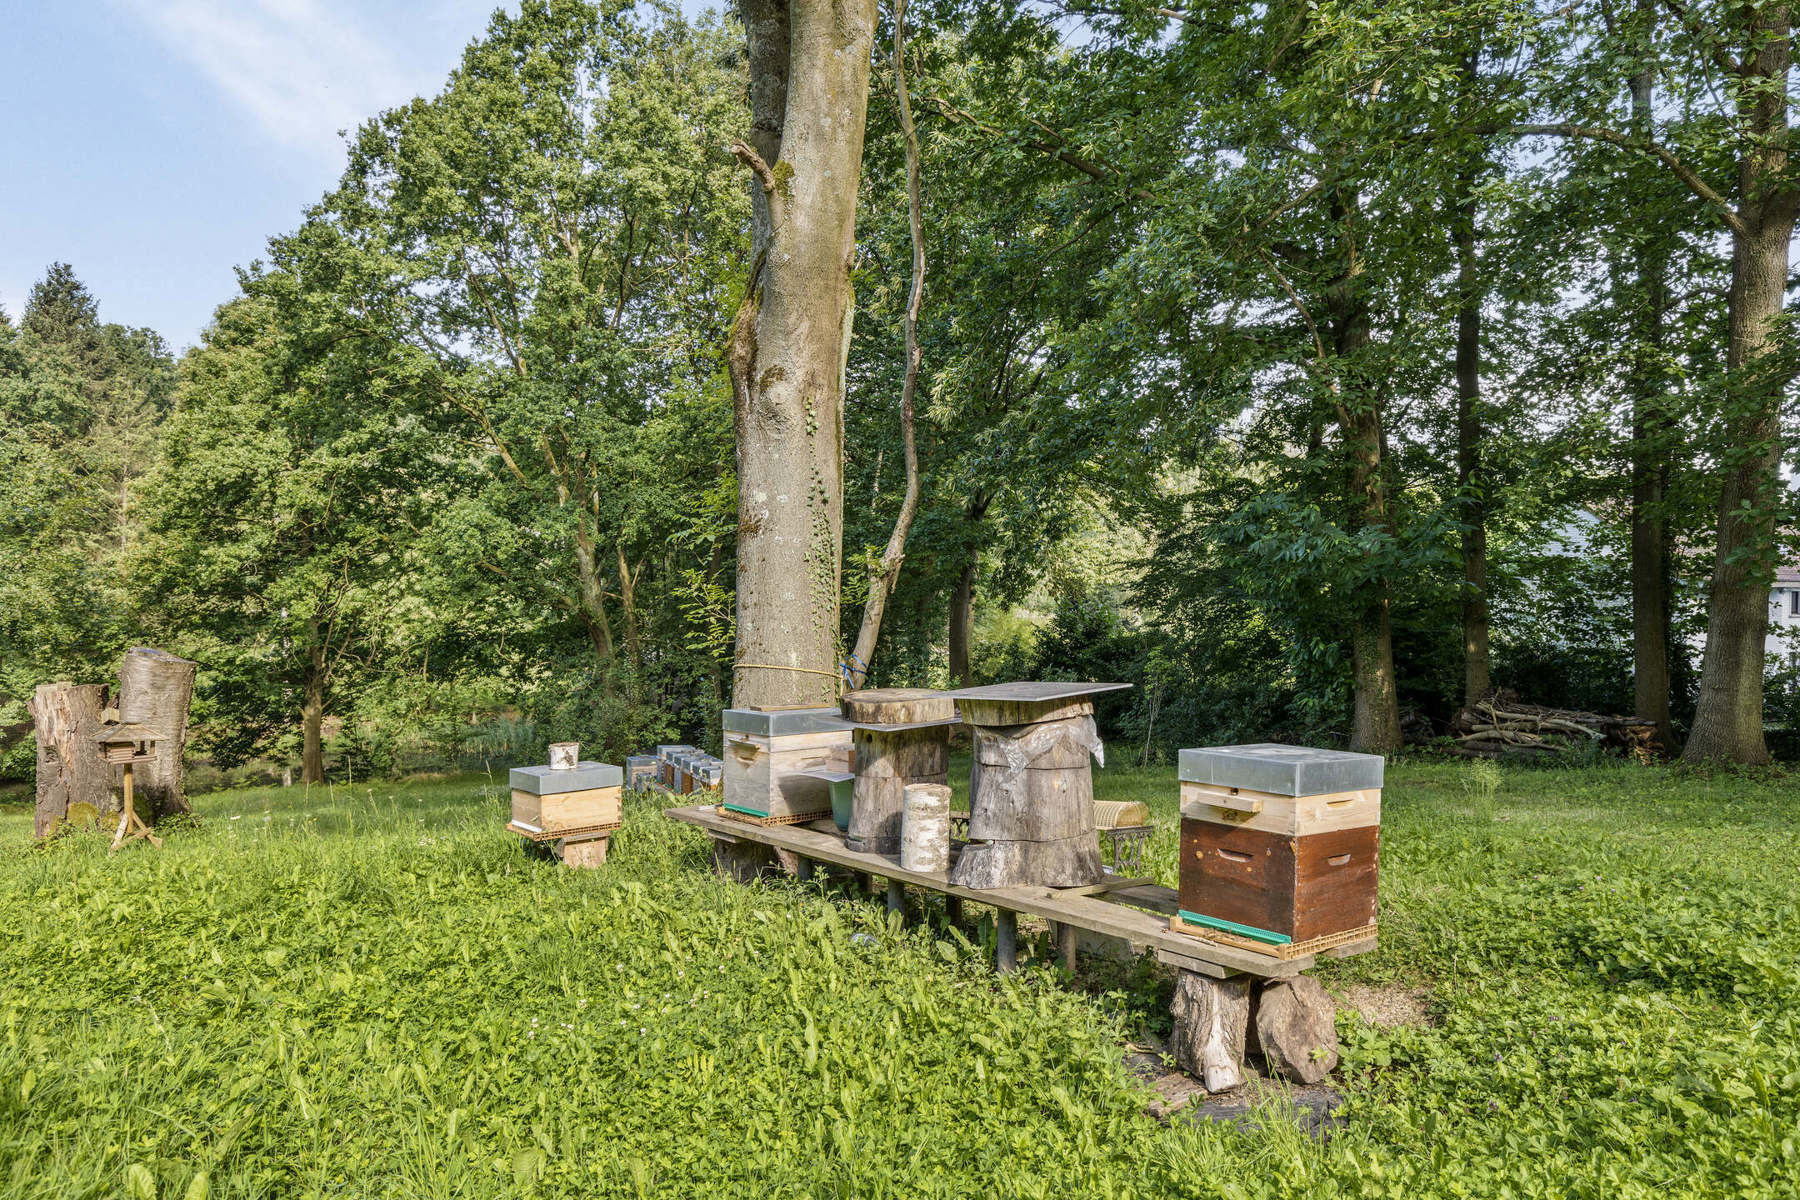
1279, 844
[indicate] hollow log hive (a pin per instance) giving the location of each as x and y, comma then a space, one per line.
1031, 789
901, 737
1280, 845
772, 760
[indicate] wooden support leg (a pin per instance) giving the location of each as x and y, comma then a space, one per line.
896, 896
591, 853
1067, 939
1212, 1019
953, 909
805, 870
1006, 940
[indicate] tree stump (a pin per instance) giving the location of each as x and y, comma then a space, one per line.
1212, 1021
1296, 1028
914, 747
747, 861
155, 688
1031, 798
71, 767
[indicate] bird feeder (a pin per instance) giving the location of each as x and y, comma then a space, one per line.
128, 745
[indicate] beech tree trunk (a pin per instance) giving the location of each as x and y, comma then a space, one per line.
1651, 606
312, 719
962, 621
1728, 721
71, 769
809, 91
1375, 723
155, 689
1471, 479
881, 587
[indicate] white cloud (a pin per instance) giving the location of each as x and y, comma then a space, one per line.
301, 70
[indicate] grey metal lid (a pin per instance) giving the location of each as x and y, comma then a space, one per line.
786, 721
665, 751
903, 726
1029, 693
547, 781
1281, 770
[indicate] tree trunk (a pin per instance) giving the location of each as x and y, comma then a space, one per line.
71, 769
155, 688
312, 719
809, 91
1471, 479
962, 621
881, 587
1647, 384
590, 600
1375, 724
1728, 719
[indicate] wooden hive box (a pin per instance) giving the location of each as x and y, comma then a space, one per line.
1280, 845
768, 757
589, 796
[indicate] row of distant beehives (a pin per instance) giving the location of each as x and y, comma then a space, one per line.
680, 769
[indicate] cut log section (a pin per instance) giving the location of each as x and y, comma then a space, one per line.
886, 763
925, 828
897, 706
1064, 863
1212, 1023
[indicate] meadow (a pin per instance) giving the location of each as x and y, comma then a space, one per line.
371, 991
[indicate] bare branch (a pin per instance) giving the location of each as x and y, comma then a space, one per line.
1654, 149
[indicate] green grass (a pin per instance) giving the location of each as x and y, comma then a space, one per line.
372, 992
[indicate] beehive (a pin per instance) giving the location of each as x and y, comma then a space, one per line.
769, 757
548, 800
1280, 845
642, 770
665, 757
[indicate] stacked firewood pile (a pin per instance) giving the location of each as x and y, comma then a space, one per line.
1505, 725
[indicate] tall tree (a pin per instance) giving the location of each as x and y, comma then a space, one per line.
882, 581
809, 91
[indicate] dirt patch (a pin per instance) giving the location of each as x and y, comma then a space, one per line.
1389, 1006
1180, 1097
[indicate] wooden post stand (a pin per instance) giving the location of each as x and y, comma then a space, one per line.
129, 745
131, 825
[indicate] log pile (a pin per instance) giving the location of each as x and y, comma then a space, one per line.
1506, 726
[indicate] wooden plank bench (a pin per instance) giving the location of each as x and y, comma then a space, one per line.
1132, 911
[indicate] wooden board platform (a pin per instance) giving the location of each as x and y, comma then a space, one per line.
1137, 914
562, 835
1318, 945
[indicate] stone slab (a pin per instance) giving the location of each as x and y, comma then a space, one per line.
1281, 770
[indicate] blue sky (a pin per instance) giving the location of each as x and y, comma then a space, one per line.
156, 144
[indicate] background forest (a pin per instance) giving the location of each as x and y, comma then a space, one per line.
1314, 367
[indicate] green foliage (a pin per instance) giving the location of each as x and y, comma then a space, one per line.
368, 989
